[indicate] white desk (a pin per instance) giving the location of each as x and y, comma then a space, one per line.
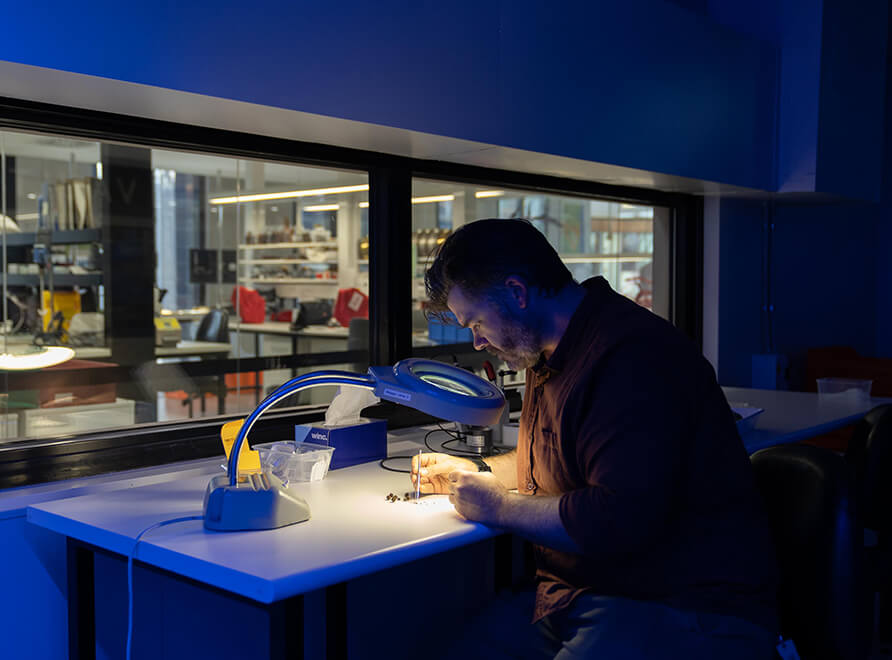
355, 535
353, 531
792, 416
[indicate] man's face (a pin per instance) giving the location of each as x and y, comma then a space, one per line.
499, 326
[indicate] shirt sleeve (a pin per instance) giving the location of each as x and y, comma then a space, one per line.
629, 444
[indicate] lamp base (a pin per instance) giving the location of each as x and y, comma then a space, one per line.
260, 502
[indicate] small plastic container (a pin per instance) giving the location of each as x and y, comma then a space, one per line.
745, 416
296, 461
849, 389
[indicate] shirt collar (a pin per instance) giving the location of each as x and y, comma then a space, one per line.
585, 315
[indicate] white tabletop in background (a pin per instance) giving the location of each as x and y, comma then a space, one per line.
353, 531
792, 416
191, 347
284, 328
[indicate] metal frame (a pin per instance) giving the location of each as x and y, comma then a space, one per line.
390, 179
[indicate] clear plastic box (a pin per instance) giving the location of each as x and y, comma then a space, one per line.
296, 461
850, 389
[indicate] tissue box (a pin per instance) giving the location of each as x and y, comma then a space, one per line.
354, 443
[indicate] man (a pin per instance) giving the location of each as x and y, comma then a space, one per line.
632, 482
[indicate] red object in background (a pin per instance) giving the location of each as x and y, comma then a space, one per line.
285, 315
249, 304
351, 304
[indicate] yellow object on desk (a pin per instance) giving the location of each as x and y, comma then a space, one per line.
248, 459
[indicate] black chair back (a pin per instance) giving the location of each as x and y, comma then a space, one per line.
214, 326
823, 602
870, 454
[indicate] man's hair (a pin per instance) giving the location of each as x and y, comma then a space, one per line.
481, 255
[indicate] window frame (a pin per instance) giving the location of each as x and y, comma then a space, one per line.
29, 462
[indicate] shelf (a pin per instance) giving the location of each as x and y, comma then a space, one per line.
287, 280
261, 262
272, 246
67, 237
59, 279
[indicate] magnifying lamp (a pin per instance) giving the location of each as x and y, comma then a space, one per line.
262, 502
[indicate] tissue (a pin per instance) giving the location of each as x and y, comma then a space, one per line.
347, 404
354, 438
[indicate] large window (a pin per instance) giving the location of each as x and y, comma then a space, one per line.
594, 237
186, 284
191, 270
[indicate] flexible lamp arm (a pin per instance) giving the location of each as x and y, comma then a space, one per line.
293, 386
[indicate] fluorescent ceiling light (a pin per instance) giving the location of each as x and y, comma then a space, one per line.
322, 207
289, 194
46, 356
433, 198
420, 200
480, 194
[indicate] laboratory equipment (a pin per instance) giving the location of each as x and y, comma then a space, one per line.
261, 501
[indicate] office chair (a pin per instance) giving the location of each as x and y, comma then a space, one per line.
823, 602
870, 455
214, 327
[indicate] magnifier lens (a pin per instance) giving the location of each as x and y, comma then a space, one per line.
447, 384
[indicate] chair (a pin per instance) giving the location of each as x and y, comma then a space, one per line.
214, 327
870, 455
823, 602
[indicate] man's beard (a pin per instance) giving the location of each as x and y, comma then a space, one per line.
522, 347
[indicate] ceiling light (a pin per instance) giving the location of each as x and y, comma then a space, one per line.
289, 194
480, 194
322, 207
433, 198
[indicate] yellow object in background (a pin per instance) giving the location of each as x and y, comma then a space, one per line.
67, 302
248, 459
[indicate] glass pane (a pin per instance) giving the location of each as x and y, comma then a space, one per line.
163, 271
594, 237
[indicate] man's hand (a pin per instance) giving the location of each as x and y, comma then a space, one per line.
435, 470
478, 496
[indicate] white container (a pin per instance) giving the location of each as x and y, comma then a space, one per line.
844, 389
745, 416
296, 461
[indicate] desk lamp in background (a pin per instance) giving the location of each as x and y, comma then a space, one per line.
261, 501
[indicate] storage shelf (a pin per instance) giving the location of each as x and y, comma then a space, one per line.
287, 280
66, 237
272, 246
261, 262
59, 279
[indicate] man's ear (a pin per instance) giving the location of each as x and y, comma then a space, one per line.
518, 290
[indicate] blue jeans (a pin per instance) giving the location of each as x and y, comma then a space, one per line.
608, 628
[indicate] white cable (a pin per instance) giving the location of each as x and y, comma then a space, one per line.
130, 572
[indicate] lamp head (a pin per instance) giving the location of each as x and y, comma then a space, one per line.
440, 390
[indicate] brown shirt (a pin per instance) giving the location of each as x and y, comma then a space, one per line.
626, 422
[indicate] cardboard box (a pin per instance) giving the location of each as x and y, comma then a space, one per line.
353, 443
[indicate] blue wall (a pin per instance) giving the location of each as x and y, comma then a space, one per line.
643, 83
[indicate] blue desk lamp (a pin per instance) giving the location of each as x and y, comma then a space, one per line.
262, 501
